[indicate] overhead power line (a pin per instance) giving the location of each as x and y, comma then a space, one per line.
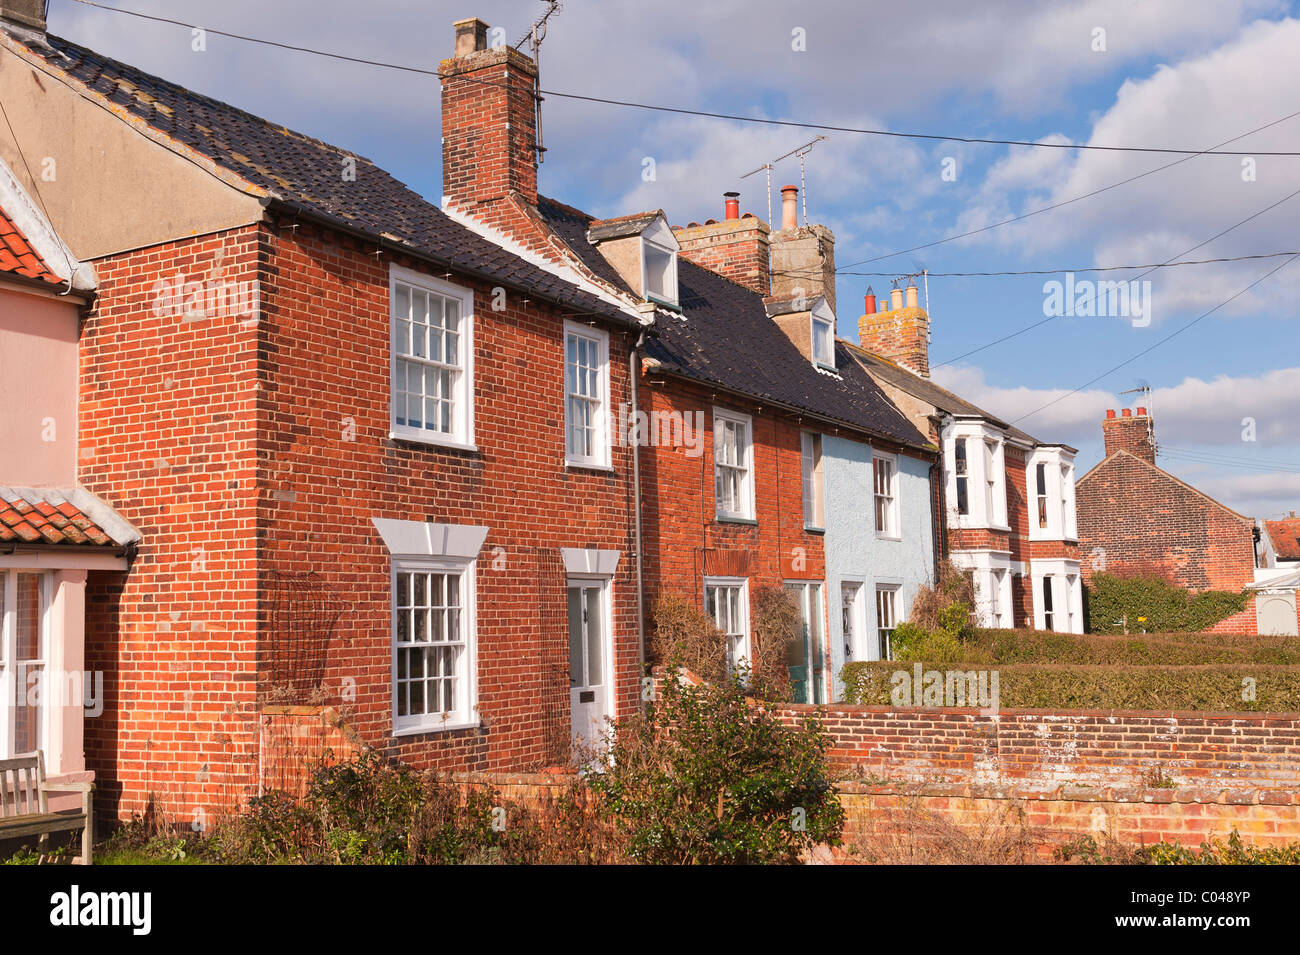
1065, 202
1044, 321
1229, 463
709, 114
1152, 347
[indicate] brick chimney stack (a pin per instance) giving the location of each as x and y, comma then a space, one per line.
901, 333
24, 13
803, 257
489, 121
1134, 433
736, 247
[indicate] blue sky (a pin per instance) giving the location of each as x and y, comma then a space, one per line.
1174, 73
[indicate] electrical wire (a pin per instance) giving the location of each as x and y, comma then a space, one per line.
1152, 347
1093, 268
629, 104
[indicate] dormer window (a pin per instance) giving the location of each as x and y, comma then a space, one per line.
659, 269
823, 341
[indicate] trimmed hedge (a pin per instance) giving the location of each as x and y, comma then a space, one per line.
1165, 606
1044, 686
1038, 646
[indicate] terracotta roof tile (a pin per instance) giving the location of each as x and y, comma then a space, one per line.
17, 257
1285, 535
50, 516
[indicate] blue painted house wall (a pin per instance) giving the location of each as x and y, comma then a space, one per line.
854, 552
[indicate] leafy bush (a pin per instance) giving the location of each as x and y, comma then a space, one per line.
1089, 851
1045, 686
911, 642
1037, 646
683, 633
940, 621
1166, 606
704, 777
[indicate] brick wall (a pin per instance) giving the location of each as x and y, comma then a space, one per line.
168, 423
1042, 750
735, 248
1144, 519
684, 539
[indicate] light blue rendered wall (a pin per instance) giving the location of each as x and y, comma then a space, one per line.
854, 552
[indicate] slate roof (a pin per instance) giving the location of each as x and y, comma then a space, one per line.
17, 257
1285, 535
304, 174
933, 394
725, 338
63, 516
622, 226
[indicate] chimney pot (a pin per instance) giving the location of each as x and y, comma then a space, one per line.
895, 298
471, 36
1141, 411
869, 302
1110, 412
911, 296
731, 203
789, 207
1127, 412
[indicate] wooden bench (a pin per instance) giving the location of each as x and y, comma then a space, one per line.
24, 806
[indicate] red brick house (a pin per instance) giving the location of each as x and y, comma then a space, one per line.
743, 393
1136, 517
361, 444
1284, 539
1006, 498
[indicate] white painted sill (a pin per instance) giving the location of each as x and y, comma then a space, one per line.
432, 441
447, 727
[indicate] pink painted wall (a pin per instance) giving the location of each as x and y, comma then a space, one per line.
38, 390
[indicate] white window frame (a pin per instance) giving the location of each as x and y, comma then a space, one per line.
465, 715
821, 314
979, 513
9, 687
748, 514
659, 236
745, 654
1067, 593
601, 425
462, 424
814, 481
1058, 472
809, 592
989, 568
893, 531
894, 592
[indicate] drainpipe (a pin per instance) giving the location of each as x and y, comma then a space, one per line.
939, 484
634, 375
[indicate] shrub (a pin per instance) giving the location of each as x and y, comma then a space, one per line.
911, 642
1087, 850
704, 777
932, 607
1045, 686
1112, 598
684, 634
778, 624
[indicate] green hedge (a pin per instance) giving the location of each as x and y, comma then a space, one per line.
1165, 606
1037, 646
1044, 686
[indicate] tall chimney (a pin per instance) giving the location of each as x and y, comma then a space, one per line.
24, 13
489, 120
736, 248
1134, 433
803, 258
901, 333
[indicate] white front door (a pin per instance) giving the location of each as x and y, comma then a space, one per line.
851, 613
590, 694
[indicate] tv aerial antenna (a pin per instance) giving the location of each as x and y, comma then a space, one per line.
1144, 389
534, 37
801, 152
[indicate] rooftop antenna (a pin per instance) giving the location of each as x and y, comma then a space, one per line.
1144, 389
801, 152
534, 37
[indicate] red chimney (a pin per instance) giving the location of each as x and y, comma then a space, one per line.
732, 205
489, 120
869, 302
1110, 412
1136, 435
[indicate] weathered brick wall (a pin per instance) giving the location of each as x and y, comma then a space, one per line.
168, 426
1041, 750
1143, 519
